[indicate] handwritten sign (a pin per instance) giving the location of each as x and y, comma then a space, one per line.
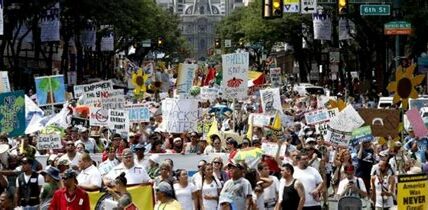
208, 93
12, 113
93, 87
260, 120
271, 100
49, 141
98, 116
346, 120
235, 75
417, 123
180, 115
118, 121
383, 122
185, 78
338, 138
275, 77
139, 114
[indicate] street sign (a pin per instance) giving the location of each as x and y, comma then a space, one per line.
375, 9
227, 43
291, 6
147, 43
398, 28
308, 6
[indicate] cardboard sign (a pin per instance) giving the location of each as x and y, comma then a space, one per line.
235, 75
49, 141
361, 134
185, 76
77, 121
180, 115
383, 122
50, 90
338, 138
4, 82
316, 117
98, 116
275, 77
208, 93
118, 121
139, 114
12, 113
260, 120
417, 123
93, 87
270, 149
346, 120
412, 191
271, 100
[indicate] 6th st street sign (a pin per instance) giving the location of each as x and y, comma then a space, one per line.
372, 9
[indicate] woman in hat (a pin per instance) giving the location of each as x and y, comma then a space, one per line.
52, 183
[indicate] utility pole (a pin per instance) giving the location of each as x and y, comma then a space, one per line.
396, 12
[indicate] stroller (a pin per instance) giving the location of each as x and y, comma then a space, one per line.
349, 203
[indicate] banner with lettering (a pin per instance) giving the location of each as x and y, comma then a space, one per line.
4, 82
88, 36
50, 24
235, 75
185, 76
118, 122
12, 113
322, 26
49, 141
412, 191
180, 115
271, 100
50, 90
96, 87
107, 39
138, 114
98, 116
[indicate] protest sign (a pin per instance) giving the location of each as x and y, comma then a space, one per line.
412, 191
118, 121
185, 76
418, 103
235, 75
113, 99
383, 122
275, 77
260, 120
361, 134
77, 121
93, 87
49, 141
138, 114
346, 120
142, 198
271, 100
317, 116
50, 90
98, 116
338, 137
417, 123
12, 113
322, 26
50, 24
4, 82
208, 93
180, 115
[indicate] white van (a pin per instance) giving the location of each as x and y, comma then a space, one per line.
305, 89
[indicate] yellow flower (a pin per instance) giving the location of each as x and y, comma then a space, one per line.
340, 104
404, 85
139, 79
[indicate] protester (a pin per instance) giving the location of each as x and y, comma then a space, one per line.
209, 189
185, 192
89, 177
351, 186
88, 142
71, 197
28, 186
6, 201
237, 191
218, 171
52, 183
291, 191
120, 193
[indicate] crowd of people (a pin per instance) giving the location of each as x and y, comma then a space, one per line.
306, 176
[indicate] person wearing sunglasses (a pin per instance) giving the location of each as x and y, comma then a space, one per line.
70, 197
215, 146
72, 155
218, 171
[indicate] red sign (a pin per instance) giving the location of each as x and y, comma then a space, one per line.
398, 31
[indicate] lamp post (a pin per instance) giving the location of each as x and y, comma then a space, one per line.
396, 13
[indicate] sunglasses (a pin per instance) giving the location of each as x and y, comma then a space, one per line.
217, 162
200, 166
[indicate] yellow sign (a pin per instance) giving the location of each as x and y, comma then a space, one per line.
142, 197
412, 192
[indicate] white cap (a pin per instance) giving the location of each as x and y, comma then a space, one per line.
155, 158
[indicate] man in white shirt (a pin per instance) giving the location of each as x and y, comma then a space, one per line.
135, 174
72, 156
351, 186
237, 191
89, 143
89, 177
270, 191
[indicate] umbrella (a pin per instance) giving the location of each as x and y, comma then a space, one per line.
220, 109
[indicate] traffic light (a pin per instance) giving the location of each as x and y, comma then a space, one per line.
272, 9
217, 43
160, 41
342, 6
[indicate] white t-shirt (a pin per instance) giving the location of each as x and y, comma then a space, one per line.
89, 176
90, 144
259, 201
39, 180
344, 183
134, 175
269, 193
196, 178
184, 195
236, 192
210, 189
310, 178
73, 162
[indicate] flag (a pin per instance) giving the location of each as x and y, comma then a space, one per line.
210, 76
251, 156
213, 130
31, 109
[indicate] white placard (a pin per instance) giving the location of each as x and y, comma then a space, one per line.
185, 76
260, 120
4, 82
180, 115
235, 75
275, 77
118, 122
271, 100
208, 93
50, 24
346, 120
308, 6
316, 117
93, 87
344, 29
322, 26
49, 141
338, 138
98, 116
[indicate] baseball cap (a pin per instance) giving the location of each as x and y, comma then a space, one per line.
164, 187
236, 165
52, 172
69, 173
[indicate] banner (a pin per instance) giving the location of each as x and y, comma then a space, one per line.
235, 75
142, 198
412, 192
49, 141
361, 134
417, 123
96, 87
98, 116
344, 28
322, 26
208, 93
12, 113
88, 36
260, 120
275, 77
338, 137
346, 120
4, 82
180, 115
50, 90
185, 76
271, 100
107, 40
383, 122
50, 24
139, 114
118, 122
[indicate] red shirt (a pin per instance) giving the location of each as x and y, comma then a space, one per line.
80, 202
271, 163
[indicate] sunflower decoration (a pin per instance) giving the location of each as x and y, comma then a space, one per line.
340, 104
404, 85
155, 87
139, 79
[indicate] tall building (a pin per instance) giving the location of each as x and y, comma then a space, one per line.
199, 19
